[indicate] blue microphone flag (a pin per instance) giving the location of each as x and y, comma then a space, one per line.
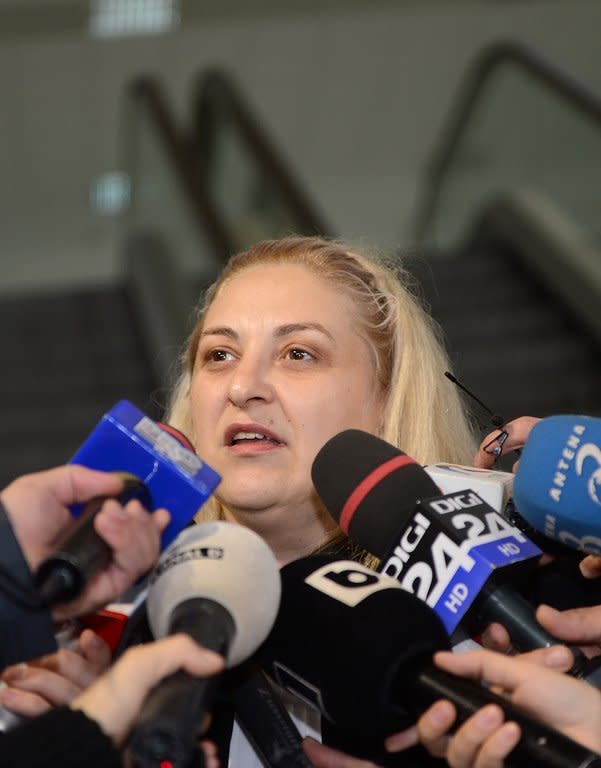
127, 440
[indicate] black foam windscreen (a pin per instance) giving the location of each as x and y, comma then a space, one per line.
359, 648
369, 487
363, 641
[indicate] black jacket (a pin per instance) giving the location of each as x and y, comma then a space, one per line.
25, 632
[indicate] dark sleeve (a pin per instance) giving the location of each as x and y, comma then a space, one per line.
61, 737
25, 633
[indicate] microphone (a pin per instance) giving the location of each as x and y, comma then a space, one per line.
452, 550
557, 487
264, 719
219, 583
495, 487
63, 575
366, 663
159, 467
492, 485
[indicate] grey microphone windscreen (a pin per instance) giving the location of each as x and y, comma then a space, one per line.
224, 562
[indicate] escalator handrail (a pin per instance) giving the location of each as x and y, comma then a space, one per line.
217, 95
148, 91
551, 75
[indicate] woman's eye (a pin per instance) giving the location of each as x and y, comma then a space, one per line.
219, 355
299, 354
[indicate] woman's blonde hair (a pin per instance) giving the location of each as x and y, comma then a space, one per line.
423, 415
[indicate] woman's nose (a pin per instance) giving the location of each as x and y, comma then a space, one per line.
250, 381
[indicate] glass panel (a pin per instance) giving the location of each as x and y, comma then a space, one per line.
521, 135
243, 190
159, 200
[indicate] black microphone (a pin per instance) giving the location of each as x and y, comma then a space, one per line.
365, 661
63, 575
264, 720
453, 551
219, 583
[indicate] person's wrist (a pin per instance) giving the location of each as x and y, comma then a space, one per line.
98, 705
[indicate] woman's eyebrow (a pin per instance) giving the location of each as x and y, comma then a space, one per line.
286, 330
280, 331
221, 330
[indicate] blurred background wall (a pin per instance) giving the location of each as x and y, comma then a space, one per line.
354, 94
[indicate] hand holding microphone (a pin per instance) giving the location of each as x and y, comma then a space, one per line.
220, 584
487, 738
116, 698
556, 458
72, 737
38, 504
101, 554
104, 551
557, 490
154, 469
367, 662
37, 508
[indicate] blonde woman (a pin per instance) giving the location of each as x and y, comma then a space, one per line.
299, 339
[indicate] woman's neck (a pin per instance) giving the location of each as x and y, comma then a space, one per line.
289, 533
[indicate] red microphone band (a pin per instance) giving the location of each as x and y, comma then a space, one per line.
368, 483
179, 436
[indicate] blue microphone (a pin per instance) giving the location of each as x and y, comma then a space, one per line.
557, 487
158, 466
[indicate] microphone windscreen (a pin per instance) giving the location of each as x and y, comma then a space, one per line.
126, 440
363, 641
177, 434
369, 487
557, 487
226, 563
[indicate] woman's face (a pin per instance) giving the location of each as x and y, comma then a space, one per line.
279, 370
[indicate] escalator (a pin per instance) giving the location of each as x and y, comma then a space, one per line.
508, 235
511, 341
506, 253
67, 358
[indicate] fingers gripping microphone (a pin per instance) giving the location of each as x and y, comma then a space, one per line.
219, 583
452, 551
557, 487
63, 575
159, 467
366, 662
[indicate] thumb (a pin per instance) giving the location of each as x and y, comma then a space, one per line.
95, 649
